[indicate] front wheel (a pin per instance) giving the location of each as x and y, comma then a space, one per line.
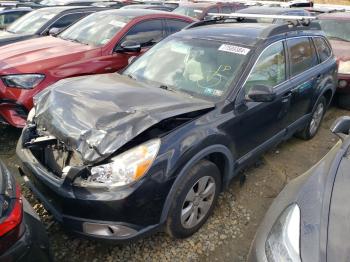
310, 130
195, 199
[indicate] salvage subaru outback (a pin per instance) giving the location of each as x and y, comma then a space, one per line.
116, 156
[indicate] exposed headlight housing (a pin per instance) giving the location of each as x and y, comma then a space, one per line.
344, 67
283, 242
123, 169
24, 81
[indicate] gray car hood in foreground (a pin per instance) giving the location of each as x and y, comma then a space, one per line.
309, 192
96, 115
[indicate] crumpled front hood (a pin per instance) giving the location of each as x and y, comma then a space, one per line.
341, 49
96, 115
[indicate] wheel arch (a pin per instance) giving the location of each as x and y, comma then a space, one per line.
214, 153
328, 94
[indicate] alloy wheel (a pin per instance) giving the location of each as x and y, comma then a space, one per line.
316, 118
198, 202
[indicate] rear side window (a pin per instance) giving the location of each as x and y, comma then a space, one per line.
146, 33
270, 69
323, 50
302, 55
175, 25
67, 20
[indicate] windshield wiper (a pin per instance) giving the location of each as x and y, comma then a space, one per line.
74, 40
131, 76
11, 32
165, 87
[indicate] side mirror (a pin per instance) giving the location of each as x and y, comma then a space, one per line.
341, 125
55, 31
261, 93
129, 46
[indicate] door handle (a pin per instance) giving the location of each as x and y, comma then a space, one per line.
286, 97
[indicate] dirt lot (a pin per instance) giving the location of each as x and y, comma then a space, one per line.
226, 236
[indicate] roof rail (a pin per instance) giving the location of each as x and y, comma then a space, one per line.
303, 23
284, 17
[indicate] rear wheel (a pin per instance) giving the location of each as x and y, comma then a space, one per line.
310, 130
344, 101
195, 199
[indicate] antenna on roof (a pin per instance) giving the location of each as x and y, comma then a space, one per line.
303, 20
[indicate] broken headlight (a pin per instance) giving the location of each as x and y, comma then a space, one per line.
283, 242
123, 169
23, 81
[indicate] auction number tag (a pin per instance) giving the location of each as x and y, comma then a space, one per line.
234, 49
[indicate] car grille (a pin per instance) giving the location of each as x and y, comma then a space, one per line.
55, 158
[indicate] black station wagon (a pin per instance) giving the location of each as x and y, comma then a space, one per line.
115, 156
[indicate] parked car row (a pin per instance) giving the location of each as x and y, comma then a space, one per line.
146, 116
152, 147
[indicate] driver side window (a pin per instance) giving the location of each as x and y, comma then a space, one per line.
270, 69
146, 33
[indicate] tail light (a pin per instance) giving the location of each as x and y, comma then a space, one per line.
11, 214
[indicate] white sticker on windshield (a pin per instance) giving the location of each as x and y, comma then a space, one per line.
117, 23
234, 49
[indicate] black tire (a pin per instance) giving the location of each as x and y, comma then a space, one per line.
344, 101
202, 170
308, 132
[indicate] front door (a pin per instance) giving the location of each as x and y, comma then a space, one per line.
257, 124
147, 33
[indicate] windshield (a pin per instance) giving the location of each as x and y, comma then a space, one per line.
32, 22
200, 68
96, 29
335, 29
189, 11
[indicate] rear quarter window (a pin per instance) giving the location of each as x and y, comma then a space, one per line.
302, 55
322, 48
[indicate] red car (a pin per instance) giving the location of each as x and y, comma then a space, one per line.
337, 28
102, 42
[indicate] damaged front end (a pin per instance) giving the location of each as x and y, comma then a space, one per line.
125, 166
124, 205
89, 158
51, 153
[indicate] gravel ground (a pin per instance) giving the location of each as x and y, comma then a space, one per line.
228, 233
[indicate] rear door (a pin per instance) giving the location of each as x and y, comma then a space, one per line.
305, 77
